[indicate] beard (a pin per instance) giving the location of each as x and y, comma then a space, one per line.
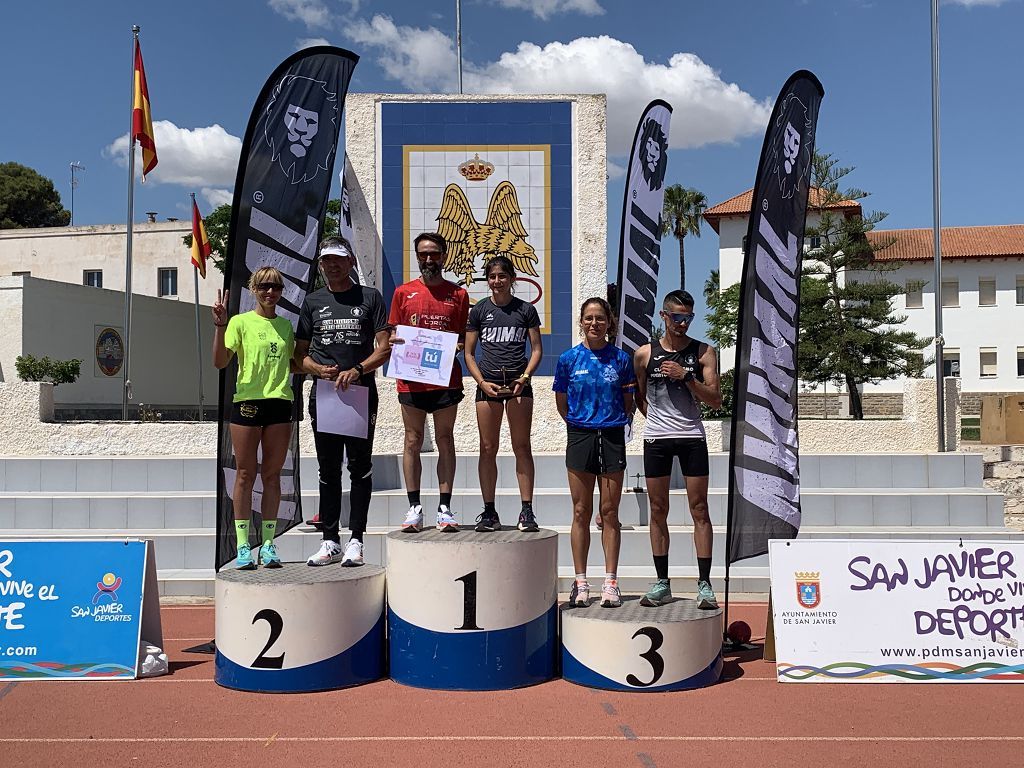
430, 269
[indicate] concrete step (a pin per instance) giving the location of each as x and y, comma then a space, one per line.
992, 453
176, 474
196, 509
1004, 470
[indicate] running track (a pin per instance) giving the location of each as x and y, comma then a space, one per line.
185, 719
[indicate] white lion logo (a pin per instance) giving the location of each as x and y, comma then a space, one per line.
293, 132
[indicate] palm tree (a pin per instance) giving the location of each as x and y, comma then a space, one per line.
683, 213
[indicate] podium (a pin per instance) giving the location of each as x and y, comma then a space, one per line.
299, 629
672, 647
472, 611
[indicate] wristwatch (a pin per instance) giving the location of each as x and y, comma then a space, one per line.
359, 368
525, 378
688, 377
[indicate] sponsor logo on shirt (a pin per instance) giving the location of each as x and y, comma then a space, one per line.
325, 311
610, 374
357, 311
581, 372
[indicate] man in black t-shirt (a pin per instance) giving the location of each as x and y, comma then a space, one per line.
342, 337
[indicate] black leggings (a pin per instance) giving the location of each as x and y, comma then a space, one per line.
330, 451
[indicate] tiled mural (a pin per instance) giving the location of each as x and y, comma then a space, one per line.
492, 178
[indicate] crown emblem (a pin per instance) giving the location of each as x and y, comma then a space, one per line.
808, 575
476, 169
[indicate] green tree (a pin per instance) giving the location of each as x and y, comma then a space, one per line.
723, 311
682, 215
31, 368
218, 227
849, 332
28, 199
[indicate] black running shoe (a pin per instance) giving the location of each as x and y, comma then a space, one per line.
488, 521
527, 522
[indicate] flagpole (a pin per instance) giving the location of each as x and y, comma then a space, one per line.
940, 396
199, 344
126, 394
458, 38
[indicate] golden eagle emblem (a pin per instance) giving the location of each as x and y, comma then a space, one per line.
501, 233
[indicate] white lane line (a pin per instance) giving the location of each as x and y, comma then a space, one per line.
517, 738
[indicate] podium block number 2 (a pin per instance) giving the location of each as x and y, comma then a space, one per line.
468, 601
273, 618
651, 655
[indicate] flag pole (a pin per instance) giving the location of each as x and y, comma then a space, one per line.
199, 344
940, 397
126, 394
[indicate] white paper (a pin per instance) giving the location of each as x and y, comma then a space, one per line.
426, 356
342, 411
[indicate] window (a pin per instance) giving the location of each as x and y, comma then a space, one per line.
1020, 289
815, 242
915, 294
93, 278
21, 274
743, 244
986, 292
951, 293
1020, 361
167, 281
988, 363
951, 362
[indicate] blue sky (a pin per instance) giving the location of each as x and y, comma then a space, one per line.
719, 64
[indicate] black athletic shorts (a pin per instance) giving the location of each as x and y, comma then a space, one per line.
432, 399
261, 413
692, 453
596, 451
482, 397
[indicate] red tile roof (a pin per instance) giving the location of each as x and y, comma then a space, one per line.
740, 206
992, 242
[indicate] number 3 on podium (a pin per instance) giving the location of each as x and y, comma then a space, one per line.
651, 655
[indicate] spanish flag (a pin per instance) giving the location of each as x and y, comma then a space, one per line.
200, 242
142, 119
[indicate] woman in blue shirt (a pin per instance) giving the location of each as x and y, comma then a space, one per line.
594, 385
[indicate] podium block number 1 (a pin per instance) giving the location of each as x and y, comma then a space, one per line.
468, 601
273, 618
651, 655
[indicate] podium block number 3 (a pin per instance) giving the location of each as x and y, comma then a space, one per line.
273, 618
468, 601
651, 655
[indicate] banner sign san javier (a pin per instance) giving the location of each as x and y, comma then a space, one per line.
70, 609
898, 611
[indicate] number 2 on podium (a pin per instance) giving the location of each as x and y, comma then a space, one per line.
468, 601
273, 618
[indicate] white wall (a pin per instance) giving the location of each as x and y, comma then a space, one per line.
43, 317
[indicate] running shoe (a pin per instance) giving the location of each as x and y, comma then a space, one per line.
329, 552
268, 555
353, 554
610, 595
245, 561
446, 521
527, 522
488, 521
579, 595
659, 594
706, 599
413, 519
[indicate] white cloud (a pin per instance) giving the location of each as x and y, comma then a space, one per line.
543, 9
312, 13
310, 42
706, 108
217, 197
197, 157
614, 170
420, 59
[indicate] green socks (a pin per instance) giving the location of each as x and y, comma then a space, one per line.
242, 532
269, 526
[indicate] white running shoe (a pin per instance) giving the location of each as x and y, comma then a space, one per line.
446, 520
413, 519
329, 552
353, 554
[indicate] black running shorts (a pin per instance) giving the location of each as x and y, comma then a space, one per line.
261, 413
596, 451
432, 399
692, 453
482, 397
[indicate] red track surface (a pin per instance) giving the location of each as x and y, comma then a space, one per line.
185, 719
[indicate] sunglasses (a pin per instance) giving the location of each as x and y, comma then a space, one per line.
269, 287
679, 317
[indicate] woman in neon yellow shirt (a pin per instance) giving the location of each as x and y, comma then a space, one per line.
261, 414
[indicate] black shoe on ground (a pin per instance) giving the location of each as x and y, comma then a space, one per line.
527, 522
488, 521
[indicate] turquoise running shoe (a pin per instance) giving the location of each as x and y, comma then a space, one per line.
268, 555
660, 593
245, 561
706, 599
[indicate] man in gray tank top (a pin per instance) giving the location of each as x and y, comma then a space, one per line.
674, 375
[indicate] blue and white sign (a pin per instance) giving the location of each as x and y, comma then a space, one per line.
70, 609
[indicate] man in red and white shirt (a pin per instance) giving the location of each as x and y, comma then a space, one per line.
431, 302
